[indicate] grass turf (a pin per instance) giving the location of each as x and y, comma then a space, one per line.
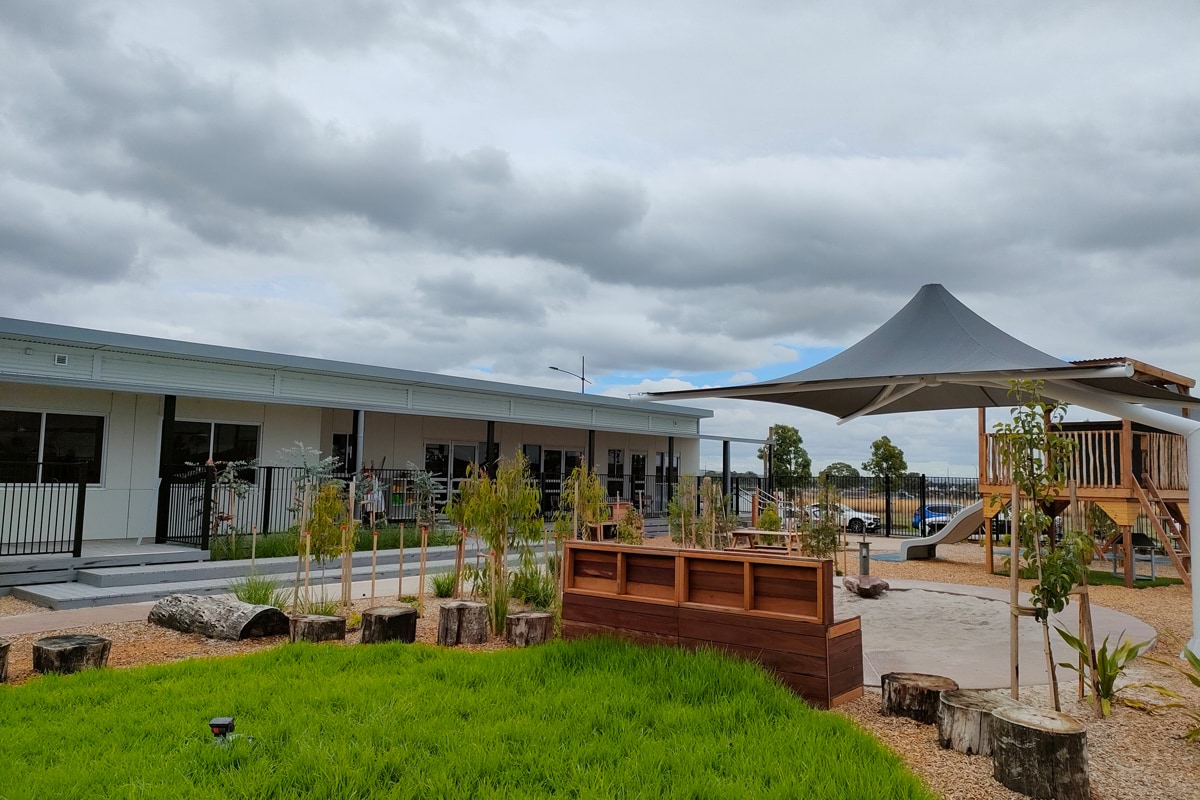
585, 719
1106, 578
274, 545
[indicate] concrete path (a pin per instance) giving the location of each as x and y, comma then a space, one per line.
42, 622
963, 632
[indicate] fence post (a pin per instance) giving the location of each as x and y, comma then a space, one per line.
210, 477
80, 505
887, 504
924, 526
268, 480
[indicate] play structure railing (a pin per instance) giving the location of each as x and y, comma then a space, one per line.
1104, 459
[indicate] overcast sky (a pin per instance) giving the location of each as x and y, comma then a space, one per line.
688, 193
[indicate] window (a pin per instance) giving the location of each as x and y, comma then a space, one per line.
197, 442
71, 439
36, 446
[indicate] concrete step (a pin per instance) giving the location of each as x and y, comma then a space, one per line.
59, 596
177, 573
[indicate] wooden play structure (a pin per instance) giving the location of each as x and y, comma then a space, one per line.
1129, 470
772, 609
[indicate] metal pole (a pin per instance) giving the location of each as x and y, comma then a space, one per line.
80, 503
267, 490
726, 482
166, 438
582, 375
887, 504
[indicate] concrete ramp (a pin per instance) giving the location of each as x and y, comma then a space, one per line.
962, 525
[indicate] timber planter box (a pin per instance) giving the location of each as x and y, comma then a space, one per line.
774, 610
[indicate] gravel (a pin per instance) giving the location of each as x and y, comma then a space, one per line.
11, 607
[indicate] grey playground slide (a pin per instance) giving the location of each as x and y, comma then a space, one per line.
961, 525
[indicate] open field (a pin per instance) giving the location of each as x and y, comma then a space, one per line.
581, 719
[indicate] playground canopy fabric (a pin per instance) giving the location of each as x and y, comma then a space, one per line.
935, 353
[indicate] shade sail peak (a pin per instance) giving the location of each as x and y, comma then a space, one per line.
934, 353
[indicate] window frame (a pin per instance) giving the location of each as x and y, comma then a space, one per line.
41, 450
212, 432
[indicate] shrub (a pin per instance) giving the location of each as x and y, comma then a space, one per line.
259, 590
323, 607
1111, 665
769, 519
535, 587
631, 527
443, 584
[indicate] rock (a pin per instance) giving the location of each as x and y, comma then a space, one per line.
4, 645
67, 654
462, 622
389, 624
1042, 754
317, 628
218, 617
914, 695
529, 627
867, 586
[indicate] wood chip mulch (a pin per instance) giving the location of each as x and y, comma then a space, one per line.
1131, 754
136, 643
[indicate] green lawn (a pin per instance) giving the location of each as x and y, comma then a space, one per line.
273, 545
1106, 578
594, 719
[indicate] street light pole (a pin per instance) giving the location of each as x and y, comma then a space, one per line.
581, 374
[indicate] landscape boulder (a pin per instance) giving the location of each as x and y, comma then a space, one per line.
867, 586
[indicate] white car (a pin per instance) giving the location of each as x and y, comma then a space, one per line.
851, 519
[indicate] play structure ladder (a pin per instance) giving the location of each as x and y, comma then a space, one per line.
1172, 531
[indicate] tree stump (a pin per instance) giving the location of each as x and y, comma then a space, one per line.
67, 654
964, 720
462, 622
529, 627
389, 624
218, 617
317, 628
914, 695
1039, 753
4, 645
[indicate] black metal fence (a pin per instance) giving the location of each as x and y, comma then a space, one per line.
271, 501
893, 506
198, 501
41, 508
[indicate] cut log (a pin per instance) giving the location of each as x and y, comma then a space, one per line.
529, 627
67, 654
389, 624
964, 720
914, 695
1042, 754
4, 646
318, 628
218, 617
462, 622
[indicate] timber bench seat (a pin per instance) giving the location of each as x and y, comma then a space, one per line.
775, 610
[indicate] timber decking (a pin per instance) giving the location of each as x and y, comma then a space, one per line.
774, 610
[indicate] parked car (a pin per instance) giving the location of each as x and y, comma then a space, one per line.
851, 519
934, 516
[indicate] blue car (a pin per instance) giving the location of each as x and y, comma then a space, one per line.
934, 516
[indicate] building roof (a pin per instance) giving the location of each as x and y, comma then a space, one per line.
127, 362
935, 353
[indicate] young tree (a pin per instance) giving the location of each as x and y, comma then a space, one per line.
840, 469
886, 459
789, 459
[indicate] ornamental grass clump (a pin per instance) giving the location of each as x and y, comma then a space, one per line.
259, 590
